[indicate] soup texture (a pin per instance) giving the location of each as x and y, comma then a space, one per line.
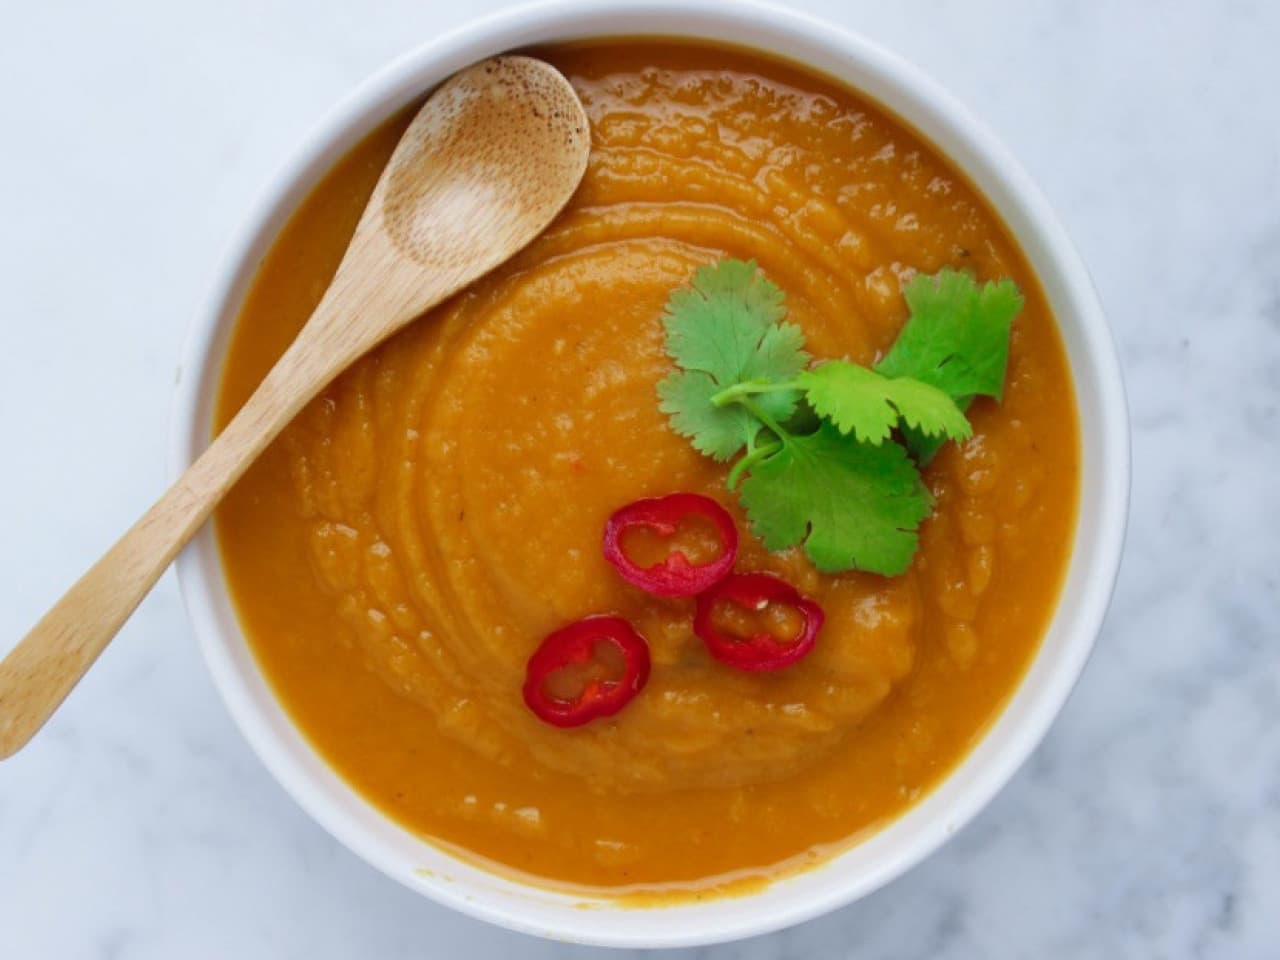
397, 555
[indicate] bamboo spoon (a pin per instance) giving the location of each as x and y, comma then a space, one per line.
484, 167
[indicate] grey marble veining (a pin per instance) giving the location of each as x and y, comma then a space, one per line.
1148, 824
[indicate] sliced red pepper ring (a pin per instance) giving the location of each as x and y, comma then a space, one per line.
739, 620
673, 519
589, 669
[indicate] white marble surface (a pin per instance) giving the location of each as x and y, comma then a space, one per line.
135, 135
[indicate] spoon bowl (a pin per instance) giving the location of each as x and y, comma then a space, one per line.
463, 168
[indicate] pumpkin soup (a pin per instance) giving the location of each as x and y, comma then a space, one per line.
413, 558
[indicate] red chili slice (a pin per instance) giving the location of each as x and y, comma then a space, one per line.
760, 649
675, 575
586, 670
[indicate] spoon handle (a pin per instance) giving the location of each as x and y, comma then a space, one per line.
43, 668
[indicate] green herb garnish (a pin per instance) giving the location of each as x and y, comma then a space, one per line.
956, 340
855, 505
820, 465
727, 329
869, 405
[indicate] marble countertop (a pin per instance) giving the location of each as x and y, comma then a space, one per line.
138, 132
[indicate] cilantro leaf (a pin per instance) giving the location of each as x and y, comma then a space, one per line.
716, 432
869, 404
928, 410
725, 329
851, 504
957, 338
925, 447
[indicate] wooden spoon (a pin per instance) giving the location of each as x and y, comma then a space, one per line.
484, 167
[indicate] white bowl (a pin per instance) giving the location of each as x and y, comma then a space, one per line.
1099, 534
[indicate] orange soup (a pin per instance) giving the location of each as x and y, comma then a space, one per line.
403, 548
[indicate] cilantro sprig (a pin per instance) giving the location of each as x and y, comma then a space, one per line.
819, 460
726, 329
